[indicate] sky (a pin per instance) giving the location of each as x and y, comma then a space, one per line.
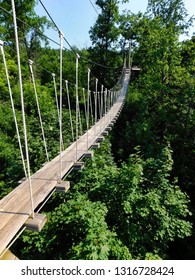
75, 17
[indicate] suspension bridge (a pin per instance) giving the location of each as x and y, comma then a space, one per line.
21, 208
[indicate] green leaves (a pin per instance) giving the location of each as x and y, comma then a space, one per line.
104, 36
105, 31
144, 193
29, 33
76, 230
171, 13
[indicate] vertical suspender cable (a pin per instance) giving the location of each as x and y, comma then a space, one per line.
99, 107
88, 93
77, 104
60, 119
96, 100
102, 103
79, 113
38, 108
102, 100
56, 96
22, 106
108, 101
57, 103
69, 108
80, 120
105, 103
91, 106
113, 97
13, 108
110, 104
96, 86
129, 55
113, 94
94, 94
85, 107
110, 97
99, 104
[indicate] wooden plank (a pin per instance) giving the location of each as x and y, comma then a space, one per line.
89, 154
64, 186
78, 165
105, 133
100, 139
111, 124
8, 255
95, 146
36, 223
108, 128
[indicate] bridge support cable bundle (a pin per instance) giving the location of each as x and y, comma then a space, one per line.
13, 107
22, 106
38, 107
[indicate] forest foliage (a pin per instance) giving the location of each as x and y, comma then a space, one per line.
135, 199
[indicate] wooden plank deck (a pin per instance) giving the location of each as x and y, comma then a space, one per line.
15, 208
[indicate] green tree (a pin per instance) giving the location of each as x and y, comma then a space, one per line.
172, 14
149, 203
105, 32
30, 25
104, 36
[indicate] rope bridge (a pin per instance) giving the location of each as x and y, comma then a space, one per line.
19, 210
